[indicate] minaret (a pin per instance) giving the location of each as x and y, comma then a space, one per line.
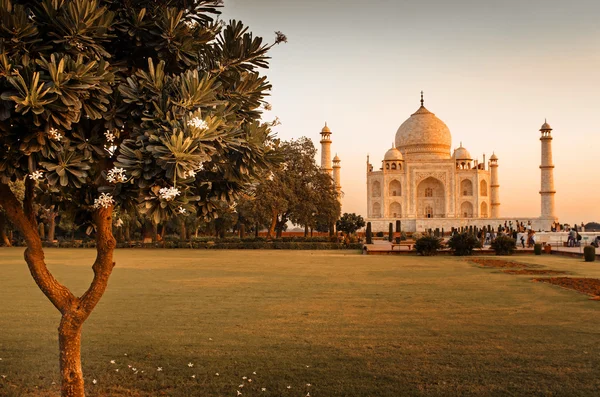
326, 150
337, 182
494, 187
547, 186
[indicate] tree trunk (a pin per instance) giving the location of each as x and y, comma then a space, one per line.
74, 310
271, 231
242, 230
305, 231
256, 230
3, 237
182, 230
42, 230
69, 342
51, 226
127, 233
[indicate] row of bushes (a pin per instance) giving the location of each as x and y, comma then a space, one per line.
462, 244
252, 239
248, 245
278, 244
207, 242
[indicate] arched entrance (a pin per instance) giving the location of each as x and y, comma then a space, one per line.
466, 210
431, 199
395, 210
484, 210
376, 210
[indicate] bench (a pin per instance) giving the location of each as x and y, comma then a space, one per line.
409, 245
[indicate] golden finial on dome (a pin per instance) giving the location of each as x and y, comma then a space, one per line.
422, 101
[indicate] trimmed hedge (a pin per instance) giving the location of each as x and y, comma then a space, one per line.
463, 244
428, 245
589, 253
504, 245
246, 245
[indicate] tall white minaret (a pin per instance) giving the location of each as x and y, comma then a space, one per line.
494, 187
337, 182
326, 150
547, 186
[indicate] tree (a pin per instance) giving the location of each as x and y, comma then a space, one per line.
369, 234
147, 105
350, 223
298, 190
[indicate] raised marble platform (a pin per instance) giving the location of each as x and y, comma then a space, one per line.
423, 224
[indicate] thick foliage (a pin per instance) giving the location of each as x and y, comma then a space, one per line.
428, 245
504, 245
463, 244
152, 103
298, 190
350, 223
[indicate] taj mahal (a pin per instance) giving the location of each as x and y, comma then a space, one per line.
426, 185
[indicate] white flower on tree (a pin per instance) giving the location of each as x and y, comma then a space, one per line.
197, 122
55, 134
191, 23
189, 174
110, 137
181, 210
118, 223
105, 200
169, 193
116, 175
36, 175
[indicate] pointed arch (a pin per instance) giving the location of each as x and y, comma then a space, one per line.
466, 187
376, 210
483, 188
466, 209
395, 188
376, 189
395, 210
484, 210
431, 198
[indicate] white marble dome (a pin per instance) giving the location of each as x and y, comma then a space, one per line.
423, 136
462, 154
393, 155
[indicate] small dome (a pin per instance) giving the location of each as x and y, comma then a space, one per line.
326, 129
545, 126
462, 154
393, 155
336, 159
494, 157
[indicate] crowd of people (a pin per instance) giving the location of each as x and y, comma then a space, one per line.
521, 232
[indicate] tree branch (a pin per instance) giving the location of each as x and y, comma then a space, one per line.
103, 266
58, 294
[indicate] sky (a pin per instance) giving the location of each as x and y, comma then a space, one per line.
491, 70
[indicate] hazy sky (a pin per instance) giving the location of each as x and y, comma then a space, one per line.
491, 70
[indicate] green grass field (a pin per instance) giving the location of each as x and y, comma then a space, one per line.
347, 324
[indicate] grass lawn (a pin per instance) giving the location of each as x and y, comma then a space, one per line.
347, 324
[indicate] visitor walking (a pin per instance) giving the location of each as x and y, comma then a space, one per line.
571, 238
